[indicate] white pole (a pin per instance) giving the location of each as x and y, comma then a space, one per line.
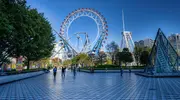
123, 21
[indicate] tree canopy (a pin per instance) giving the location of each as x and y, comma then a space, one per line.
82, 59
24, 32
137, 54
102, 57
144, 57
112, 49
126, 56
67, 63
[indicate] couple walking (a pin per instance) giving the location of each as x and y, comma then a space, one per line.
55, 71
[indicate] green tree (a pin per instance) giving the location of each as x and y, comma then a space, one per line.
40, 42
119, 58
25, 32
17, 15
102, 56
44, 62
67, 63
5, 28
112, 49
75, 60
126, 57
88, 62
108, 61
144, 57
82, 59
137, 54
10, 24
148, 49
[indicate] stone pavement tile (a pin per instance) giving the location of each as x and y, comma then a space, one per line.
87, 86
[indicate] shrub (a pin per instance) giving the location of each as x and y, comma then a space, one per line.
112, 67
24, 71
107, 66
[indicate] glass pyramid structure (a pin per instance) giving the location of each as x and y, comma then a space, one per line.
163, 58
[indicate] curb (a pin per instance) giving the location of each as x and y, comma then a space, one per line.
11, 81
157, 76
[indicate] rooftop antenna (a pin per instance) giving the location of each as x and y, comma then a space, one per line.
123, 21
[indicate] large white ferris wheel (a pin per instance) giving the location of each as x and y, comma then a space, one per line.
96, 45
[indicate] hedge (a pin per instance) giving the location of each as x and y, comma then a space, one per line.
112, 67
24, 71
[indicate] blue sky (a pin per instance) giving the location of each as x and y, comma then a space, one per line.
142, 17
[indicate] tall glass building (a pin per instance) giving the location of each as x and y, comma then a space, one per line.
175, 41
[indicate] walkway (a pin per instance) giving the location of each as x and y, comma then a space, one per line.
87, 86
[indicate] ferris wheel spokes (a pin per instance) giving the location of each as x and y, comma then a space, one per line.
84, 44
101, 26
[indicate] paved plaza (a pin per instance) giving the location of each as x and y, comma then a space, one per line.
88, 86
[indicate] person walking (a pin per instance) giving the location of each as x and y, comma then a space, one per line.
54, 71
74, 71
63, 71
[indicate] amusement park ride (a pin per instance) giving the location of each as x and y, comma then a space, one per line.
90, 48
163, 58
127, 41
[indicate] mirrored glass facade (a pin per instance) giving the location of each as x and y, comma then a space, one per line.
163, 57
